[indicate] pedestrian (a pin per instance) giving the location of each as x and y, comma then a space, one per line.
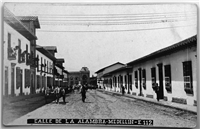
62, 92
57, 93
83, 92
157, 91
123, 90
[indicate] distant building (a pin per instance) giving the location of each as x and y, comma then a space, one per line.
59, 72
101, 82
81, 76
19, 60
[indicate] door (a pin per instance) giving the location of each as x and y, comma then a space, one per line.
160, 74
21, 85
6, 81
12, 80
140, 81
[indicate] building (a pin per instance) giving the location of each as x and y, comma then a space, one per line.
65, 80
76, 77
59, 72
104, 71
173, 68
44, 70
17, 79
32, 23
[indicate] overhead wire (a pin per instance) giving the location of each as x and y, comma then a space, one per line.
119, 30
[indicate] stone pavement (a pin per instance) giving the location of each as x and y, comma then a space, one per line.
189, 108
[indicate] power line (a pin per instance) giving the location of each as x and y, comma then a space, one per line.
119, 30
88, 15
116, 23
118, 19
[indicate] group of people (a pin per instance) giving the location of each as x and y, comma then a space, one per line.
59, 92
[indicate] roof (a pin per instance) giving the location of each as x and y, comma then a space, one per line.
65, 71
108, 66
45, 52
192, 41
51, 48
15, 23
60, 60
118, 70
30, 18
84, 69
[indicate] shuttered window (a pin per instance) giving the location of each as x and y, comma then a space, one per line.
136, 79
168, 84
187, 77
27, 78
153, 77
144, 78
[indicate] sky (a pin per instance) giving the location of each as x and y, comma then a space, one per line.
98, 35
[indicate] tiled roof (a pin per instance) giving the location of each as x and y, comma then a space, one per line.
30, 18
15, 23
173, 48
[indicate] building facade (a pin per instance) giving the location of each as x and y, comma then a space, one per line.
44, 70
16, 60
173, 69
100, 78
79, 77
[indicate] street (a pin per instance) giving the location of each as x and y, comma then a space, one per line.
102, 106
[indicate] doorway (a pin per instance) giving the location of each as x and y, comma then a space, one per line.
160, 74
6, 81
140, 81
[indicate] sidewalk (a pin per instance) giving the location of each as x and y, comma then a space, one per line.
189, 108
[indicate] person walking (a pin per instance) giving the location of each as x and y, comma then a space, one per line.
57, 93
83, 92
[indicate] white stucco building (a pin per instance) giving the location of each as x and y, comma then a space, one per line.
173, 68
105, 70
44, 70
16, 58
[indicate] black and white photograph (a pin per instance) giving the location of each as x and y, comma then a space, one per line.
99, 64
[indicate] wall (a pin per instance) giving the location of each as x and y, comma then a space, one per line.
43, 74
175, 60
14, 42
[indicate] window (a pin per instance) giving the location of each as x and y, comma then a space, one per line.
187, 77
153, 77
144, 78
47, 66
41, 65
168, 86
19, 51
38, 63
136, 79
27, 78
11, 52
44, 65
130, 81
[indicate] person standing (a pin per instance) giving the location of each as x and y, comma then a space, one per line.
83, 93
57, 93
123, 90
157, 91
62, 91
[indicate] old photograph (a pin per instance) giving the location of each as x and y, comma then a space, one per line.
100, 64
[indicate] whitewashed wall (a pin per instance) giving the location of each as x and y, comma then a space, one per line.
15, 35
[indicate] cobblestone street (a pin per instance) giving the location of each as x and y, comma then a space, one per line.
102, 106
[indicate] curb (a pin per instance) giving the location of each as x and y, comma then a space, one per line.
161, 104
